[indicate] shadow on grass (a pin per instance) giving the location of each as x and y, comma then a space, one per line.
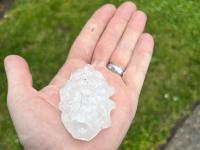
178, 125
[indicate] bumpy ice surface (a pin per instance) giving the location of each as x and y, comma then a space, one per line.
84, 103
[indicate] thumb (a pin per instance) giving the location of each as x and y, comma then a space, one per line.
18, 74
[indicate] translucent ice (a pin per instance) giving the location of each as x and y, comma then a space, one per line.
85, 104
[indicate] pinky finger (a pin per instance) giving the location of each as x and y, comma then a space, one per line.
136, 70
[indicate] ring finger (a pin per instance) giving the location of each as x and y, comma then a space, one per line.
124, 50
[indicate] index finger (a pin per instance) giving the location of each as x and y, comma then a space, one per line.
86, 41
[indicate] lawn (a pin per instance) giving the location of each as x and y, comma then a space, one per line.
42, 32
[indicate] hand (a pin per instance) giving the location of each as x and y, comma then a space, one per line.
110, 35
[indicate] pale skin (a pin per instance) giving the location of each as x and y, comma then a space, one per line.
111, 35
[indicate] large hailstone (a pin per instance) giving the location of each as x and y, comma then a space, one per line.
85, 104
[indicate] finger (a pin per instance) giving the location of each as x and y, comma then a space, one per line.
86, 41
123, 52
113, 33
135, 73
17, 72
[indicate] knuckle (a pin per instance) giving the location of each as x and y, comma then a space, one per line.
122, 20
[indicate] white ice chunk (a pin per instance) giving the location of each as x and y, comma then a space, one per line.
85, 104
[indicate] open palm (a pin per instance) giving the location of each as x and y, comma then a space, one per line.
110, 35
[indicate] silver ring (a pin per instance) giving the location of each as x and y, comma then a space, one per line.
116, 69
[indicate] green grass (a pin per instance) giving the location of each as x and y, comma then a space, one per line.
42, 32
